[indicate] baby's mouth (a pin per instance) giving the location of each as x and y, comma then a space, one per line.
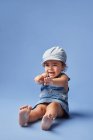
51, 73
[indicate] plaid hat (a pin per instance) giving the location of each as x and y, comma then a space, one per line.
54, 53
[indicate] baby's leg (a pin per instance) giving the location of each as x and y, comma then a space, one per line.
53, 110
27, 114
37, 113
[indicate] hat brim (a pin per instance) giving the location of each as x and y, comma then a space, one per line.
51, 58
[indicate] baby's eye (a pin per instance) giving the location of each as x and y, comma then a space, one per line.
54, 64
46, 65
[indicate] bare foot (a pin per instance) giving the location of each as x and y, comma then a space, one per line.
46, 122
24, 115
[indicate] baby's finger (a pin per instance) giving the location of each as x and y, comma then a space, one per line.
22, 107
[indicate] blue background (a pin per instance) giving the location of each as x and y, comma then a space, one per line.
27, 29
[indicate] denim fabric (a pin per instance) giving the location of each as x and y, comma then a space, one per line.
54, 94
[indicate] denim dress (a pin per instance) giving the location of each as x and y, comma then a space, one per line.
54, 94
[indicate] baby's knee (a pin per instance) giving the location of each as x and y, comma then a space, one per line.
41, 109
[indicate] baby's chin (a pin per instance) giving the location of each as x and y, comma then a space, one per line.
52, 76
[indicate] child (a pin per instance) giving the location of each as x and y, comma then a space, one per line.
53, 101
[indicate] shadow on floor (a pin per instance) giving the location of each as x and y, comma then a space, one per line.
81, 115
73, 116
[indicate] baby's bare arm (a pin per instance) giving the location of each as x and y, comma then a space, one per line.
40, 78
61, 81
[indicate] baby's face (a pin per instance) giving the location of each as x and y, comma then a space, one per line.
53, 68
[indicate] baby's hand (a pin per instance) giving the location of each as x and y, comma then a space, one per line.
40, 78
44, 75
48, 81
